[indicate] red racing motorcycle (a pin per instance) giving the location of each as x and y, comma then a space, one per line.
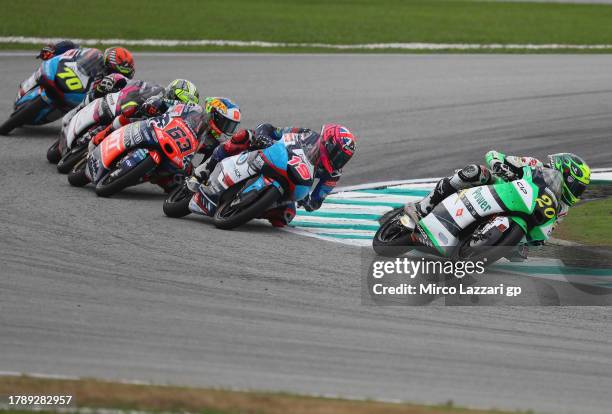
154, 150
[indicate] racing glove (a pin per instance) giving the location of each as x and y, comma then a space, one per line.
261, 142
152, 107
503, 171
110, 83
309, 204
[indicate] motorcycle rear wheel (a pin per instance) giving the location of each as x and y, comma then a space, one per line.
491, 250
228, 217
110, 184
392, 238
176, 205
26, 114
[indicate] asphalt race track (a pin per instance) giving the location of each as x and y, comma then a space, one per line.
111, 288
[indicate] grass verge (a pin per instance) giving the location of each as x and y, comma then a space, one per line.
248, 49
314, 21
101, 394
589, 223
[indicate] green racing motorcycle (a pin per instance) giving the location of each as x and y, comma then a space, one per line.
484, 222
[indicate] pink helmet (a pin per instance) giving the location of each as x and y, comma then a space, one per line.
336, 147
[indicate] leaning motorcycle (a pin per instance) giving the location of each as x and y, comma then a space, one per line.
243, 187
58, 85
479, 223
74, 138
143, 151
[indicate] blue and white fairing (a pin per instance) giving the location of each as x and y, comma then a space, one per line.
282, 165
61, 82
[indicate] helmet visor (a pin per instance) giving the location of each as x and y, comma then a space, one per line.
575, 189
337, 157
225, 125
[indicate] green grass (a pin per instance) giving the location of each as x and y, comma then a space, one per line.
155, 398
589, 223
338, 21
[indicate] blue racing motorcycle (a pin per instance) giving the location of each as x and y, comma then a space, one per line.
245, 186
58, 85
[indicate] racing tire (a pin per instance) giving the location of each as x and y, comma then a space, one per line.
78, 177
392, 238
226, 218
176, 205
110, 185
70, 159
53, 153
493, 251
23, 115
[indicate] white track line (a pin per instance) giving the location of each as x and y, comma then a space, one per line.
262, 44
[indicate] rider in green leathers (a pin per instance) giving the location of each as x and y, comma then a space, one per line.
566, 174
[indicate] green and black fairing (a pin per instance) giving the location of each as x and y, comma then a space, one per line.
529, 202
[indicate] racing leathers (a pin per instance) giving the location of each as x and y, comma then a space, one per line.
103, 111
498, 167
263, 136
146, 104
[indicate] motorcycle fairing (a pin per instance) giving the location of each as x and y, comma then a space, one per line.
82, 121
63, 81
177, 141
103, 157
457, 212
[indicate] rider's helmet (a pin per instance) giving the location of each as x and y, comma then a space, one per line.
224, 116
576, 175
336, 147
119, 60
182, 90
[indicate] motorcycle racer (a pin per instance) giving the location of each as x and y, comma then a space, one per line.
113, 70
566, 174
144, 104
328, 151
197, 120
222, 114
106, 109
115, 66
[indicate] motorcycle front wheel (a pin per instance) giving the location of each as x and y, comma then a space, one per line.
71, 158
78, 177
24, 115
176, 205
230, 215
112, 183
53, 153
393, 238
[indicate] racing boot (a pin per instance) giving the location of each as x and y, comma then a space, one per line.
470, 176
280, 216
203, 171
422, 208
